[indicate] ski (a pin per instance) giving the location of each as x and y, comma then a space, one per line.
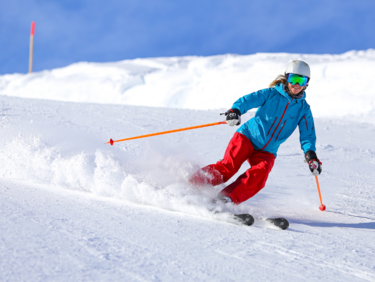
248, 219
280, 222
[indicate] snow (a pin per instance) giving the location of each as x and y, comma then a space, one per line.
74, 208
344, 82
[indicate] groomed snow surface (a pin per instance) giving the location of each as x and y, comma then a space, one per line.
73, 208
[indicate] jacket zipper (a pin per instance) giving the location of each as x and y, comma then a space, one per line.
280, 130
276, 126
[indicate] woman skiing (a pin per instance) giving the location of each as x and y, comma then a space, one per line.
281, 108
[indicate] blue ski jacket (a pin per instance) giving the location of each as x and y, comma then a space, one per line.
276, 119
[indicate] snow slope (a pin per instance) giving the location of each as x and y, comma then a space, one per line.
74, 208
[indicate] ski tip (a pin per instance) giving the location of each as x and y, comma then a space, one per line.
281, 223
284, 224
246, 219
111, 142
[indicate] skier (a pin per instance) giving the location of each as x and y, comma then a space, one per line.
280, 109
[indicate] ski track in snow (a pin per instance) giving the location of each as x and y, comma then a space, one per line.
74, 208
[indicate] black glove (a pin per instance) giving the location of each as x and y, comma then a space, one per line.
315, 165
233, 117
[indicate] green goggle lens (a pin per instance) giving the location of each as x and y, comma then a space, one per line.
300, 79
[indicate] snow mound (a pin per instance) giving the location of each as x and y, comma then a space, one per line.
340, 84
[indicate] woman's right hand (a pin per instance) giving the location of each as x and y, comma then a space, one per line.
233, 117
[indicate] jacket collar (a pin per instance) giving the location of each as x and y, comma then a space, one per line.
279, 87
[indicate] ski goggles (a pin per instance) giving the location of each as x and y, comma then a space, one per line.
296, 78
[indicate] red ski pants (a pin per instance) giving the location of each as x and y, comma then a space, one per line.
249, 183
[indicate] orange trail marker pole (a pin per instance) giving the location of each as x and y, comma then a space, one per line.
31, 47
322, 207
166, 132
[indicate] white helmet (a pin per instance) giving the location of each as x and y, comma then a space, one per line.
298, 67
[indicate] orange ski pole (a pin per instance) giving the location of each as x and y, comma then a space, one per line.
166, 132
322, 207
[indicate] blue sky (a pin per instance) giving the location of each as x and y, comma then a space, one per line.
69, 31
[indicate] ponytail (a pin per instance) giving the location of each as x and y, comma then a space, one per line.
279, 79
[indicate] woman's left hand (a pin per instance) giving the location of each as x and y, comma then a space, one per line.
315, 165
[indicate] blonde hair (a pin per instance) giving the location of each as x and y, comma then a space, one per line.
279, 79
